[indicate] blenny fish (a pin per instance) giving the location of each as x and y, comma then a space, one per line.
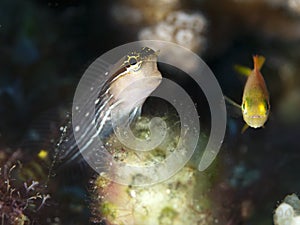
136, 77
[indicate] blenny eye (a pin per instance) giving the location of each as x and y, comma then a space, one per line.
132, 61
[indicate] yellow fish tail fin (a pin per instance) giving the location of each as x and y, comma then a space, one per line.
242, 70
258, 62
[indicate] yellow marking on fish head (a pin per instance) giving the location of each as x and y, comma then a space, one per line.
255, 112
262, 109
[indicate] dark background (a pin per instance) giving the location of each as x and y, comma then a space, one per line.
45, 47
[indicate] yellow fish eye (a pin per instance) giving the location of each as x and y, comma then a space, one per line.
244, 107
267, 105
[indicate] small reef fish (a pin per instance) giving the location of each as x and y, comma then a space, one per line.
135, 80
136, 77
255, 102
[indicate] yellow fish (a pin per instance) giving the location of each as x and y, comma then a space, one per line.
255, 102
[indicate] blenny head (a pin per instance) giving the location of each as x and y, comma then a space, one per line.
136, 59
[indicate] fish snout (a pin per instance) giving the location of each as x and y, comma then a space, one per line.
255, 121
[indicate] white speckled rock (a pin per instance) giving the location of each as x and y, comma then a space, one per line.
286, 212
179, 27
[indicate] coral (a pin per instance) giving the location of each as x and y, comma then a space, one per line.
179, 27
19, 202
287, 213
141, 130
294, 5
290, 5
176, 201
180, 199
148, 11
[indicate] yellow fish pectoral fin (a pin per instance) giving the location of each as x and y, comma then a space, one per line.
245, 127
258, 62
243, 70
232, 102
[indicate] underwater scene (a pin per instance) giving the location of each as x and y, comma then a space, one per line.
153, 112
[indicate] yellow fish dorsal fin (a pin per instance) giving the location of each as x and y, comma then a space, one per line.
258, 62
243, 70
